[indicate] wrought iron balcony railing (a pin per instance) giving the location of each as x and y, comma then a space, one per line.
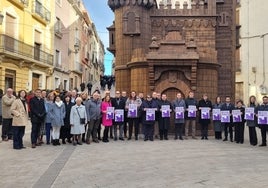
9, 44
40, 10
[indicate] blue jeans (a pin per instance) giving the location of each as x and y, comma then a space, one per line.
48, 129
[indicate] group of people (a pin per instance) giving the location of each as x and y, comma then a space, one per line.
77, 118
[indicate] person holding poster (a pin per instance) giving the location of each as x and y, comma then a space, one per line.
107, 121
262, 112
239, 122
204, 107
216, 109
133, 104
148, 114
228, 126
179, 108
190, 114
251, 120
164, 120
118, 103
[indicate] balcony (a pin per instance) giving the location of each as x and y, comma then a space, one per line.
20, 3
78, 67
16, 49
40, 12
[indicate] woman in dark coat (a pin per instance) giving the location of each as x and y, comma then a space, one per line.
252, 123
164, 122
148, 123
240, 126
65, 131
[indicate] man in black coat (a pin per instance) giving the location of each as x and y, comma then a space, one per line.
118, 103
38, 113
228, 106
262, 126
204, 121
191, 104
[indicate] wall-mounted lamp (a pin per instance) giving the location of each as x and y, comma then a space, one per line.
1, 18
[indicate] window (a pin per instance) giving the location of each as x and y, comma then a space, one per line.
58, 59
65, 82
58, 25
10, 79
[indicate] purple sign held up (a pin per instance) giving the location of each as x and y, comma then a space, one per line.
225, 116
119, 115
191, 111
249, 113
216, 114
236, 116
205, 113
132, 111
179, 113
263, 117
110, 113
165, 110
150, 114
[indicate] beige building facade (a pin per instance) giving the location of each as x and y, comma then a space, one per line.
252, 45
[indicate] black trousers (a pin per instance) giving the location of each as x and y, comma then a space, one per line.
35, 131
7, 128
263, 133
163, 133
148, 131
18, 133
133, 122
178, 130
204, 130
105, 133
228, 127
239, 132
218, 135
252, 136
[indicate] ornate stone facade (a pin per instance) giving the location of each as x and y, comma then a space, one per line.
158, 48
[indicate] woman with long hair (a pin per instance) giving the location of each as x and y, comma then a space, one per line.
107, 123
19, 111
252, 123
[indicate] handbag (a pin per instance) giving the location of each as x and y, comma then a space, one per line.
82, 120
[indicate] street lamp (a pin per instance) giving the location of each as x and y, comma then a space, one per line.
1, 18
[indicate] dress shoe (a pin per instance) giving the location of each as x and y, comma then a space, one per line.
63, 141
225, 139
261, 145
151, 139
146, 139
33, 146
17, 148
23, 147
38, 144
105, 141
186, 138
206, 138
121, 139
129, 138
87, 141
181, 138
115, 138
80, 143
166, 138
136, 137
161, 138
96, 141
202, 138
175, 138
69, 141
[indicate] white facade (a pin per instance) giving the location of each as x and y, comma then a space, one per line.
251, 79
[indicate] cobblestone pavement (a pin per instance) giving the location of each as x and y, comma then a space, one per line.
189, 163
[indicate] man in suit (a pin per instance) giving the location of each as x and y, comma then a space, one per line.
118, 103
228, 106
38, 113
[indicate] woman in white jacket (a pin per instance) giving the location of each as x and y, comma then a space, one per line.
78, 118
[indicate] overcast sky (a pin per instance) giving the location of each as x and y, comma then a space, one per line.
103, 17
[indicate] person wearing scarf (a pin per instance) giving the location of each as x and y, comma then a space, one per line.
57, 115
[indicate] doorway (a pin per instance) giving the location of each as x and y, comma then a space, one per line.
35, 81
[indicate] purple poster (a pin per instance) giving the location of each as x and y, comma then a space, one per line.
216, 114
191, 111
249, 113
150, 114
205, 113
225, 116
236, 116
119, 115
110, 113
263, 117
132, 111
179, 113
165, 110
